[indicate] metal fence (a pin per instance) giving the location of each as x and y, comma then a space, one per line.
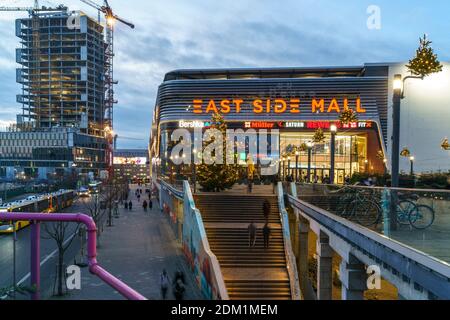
419, 218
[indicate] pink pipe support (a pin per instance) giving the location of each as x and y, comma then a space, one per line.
94, 267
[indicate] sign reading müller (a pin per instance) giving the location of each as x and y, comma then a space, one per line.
293, 105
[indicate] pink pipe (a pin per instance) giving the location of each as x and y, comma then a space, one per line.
94, 267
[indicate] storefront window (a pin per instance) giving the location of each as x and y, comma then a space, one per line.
350, 156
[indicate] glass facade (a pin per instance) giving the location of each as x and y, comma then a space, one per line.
350, 156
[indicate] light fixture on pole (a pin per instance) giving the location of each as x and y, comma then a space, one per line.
411, 160
297, 154
333, 130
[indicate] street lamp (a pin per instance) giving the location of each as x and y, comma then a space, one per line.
333, 130
366, 165
395, 154
411, 160
310, 145
385, 166
297, 154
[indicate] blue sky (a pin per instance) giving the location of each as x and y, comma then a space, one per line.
174, 34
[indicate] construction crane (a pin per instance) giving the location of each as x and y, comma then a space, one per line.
110, 18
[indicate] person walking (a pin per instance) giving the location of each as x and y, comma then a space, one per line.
251, 234
250, 186
275, 180
164, 282
126, 205
266, 234
179, 285
266, 209
144, 205
130, 205
150, 204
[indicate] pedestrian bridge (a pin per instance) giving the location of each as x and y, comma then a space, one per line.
354, 224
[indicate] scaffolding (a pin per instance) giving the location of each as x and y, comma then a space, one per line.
62, 71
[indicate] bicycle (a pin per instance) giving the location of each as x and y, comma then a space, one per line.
410, 213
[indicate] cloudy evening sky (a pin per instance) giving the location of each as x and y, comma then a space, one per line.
175, 34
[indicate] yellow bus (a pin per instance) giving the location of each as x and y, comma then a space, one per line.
46, 203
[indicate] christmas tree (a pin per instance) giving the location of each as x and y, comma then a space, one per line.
426, 61
319, 136
218, 177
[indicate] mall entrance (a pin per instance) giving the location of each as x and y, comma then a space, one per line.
350, 156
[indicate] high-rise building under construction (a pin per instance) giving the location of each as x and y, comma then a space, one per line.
60, 131
62, 58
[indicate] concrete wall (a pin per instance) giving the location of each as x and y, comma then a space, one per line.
425, 119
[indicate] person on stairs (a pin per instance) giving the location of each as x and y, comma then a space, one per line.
266, 210
266, 234
251, 234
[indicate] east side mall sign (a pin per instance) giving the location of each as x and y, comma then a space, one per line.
293, 105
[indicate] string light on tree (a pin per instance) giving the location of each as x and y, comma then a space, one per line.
426, 61
319, 136
348, 116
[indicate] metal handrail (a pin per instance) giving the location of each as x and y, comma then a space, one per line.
380, 188
215, 265
424, 264
289, 252
94, 267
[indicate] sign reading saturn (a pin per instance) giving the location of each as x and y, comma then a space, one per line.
265, 106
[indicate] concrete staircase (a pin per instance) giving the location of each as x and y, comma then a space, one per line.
249, 273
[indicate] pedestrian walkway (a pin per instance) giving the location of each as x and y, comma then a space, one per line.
136, 250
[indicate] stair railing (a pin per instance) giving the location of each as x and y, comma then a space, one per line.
289, 252
193, 214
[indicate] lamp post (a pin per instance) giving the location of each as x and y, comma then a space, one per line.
289, 166
310, 145
284, 168
333, 130
297, 154
385, 166
395, 154
411, 160
366, 166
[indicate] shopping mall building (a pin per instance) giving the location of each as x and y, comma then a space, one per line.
298, 101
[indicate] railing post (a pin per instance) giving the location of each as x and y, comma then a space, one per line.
354, 279
36, 259
324, 268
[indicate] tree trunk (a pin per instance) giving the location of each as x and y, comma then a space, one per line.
60, 275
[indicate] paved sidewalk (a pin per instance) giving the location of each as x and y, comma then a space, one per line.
136, 250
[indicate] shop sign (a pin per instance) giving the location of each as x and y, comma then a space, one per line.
191, 124
278, 106
259, 125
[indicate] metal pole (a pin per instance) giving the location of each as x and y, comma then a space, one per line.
332, 160
36, 259
14, 260
296, 168
308, 179
412, 167
395, 154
